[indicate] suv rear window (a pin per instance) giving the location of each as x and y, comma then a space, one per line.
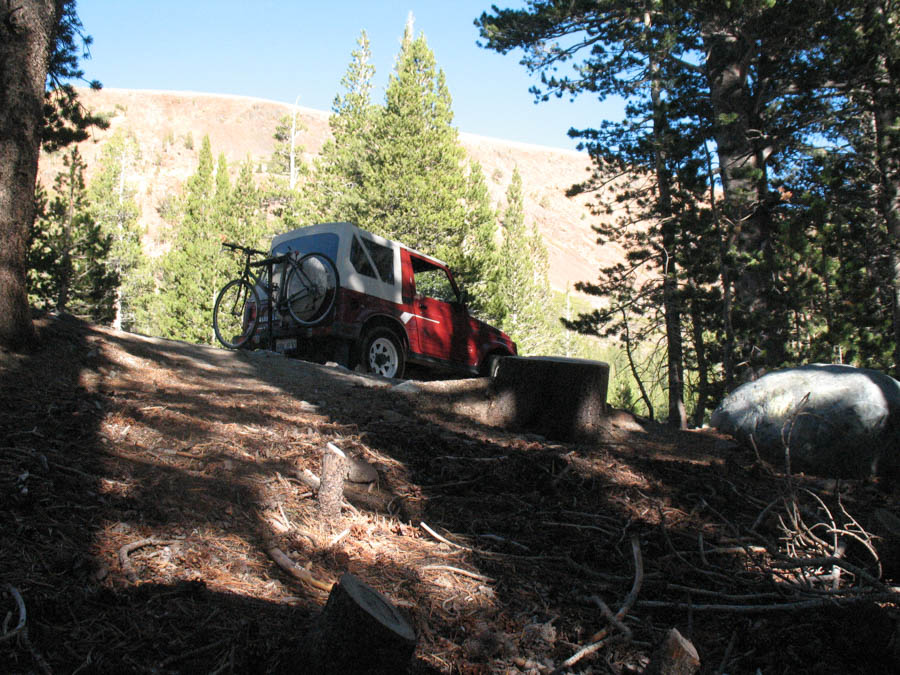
325, 243
364, 254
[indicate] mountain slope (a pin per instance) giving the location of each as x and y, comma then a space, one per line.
170, 125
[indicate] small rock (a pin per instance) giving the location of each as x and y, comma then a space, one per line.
408, 387
360, 471
393, 417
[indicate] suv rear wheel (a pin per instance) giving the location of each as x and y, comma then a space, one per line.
383, 353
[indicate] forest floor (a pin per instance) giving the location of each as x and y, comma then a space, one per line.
144, 483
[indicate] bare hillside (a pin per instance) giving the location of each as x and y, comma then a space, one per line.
170, 125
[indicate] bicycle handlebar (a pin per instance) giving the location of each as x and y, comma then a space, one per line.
245, 249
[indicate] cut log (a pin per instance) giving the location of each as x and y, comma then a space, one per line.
558, 397
675, 656
360, 631
331, 488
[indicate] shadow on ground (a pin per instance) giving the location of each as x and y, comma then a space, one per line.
144, 480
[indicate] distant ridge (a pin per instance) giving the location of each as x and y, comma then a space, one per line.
170, 125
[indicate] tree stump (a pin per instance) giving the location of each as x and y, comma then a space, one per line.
331, 486
359, 631
557, 397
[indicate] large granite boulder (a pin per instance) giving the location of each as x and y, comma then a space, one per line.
836, 420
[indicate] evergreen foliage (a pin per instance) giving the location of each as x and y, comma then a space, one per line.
113, 206
783, 246
399, 169
195, 268
522, 295
338, 192
68, 258
66, 121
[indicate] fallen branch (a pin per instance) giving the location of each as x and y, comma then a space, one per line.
295, 570
784, 562
457, 570
443, 540
21, 630
124, 561
777, 607
495, 537
20, 605
600, 638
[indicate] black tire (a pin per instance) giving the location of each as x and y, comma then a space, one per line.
235, 314
311, 289
383, 353
490, 365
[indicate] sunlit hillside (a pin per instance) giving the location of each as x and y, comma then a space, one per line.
170, 125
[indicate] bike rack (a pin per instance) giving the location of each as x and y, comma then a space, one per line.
269, 264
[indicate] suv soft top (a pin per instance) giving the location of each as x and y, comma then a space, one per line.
348, 230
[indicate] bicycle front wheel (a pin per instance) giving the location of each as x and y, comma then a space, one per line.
311, 289
235, 313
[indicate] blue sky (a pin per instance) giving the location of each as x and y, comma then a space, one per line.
282, 49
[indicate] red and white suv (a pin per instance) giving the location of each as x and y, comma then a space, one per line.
394, 306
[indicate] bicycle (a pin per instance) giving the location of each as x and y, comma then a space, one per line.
307, 295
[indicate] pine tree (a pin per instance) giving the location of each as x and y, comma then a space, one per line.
639, 53
69, 251
115, 210
399, 170
285, 156
192, 269
212, 210
246, 219
523, 292
39, 55
337, 192
415, 183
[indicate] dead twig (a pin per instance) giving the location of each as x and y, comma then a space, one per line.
444, 540
458, 570
815, 603
125, 562
20, 606
599, 639
21, 630
295, 570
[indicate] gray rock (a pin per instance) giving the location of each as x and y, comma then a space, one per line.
360, 471
836, 420
408, 387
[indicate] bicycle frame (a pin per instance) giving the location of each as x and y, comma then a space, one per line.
288, 287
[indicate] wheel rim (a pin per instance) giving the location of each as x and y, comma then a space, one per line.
383, 357
312, 290
231, 318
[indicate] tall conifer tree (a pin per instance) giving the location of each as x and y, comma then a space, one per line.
69, 251
192, 269
115, 210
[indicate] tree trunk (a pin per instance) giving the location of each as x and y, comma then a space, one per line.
27, 31
671, 299
742, 166
331, 489
887, 143
703, 387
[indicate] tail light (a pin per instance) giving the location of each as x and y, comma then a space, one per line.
249, 313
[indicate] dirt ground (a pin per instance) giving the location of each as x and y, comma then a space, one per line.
144, 484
